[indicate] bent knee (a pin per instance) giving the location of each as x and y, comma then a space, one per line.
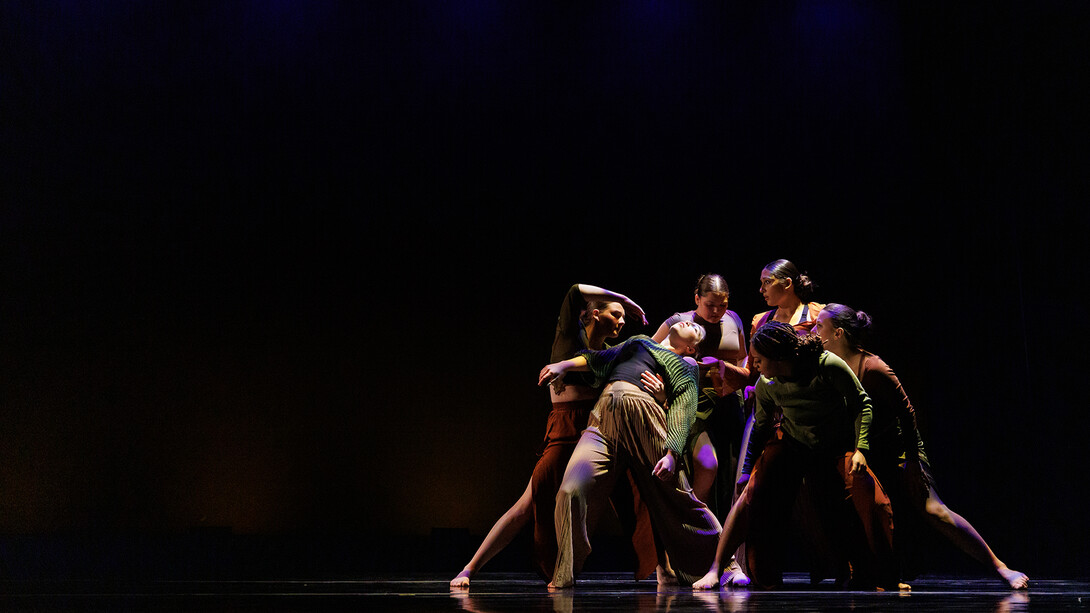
705, 459
938, 511
570, 489
523, 508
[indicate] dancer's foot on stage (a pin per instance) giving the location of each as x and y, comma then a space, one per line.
709, 581
1017, 580
462, 580
734, 577
665, 576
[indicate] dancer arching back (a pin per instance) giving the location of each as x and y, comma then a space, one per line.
589, 316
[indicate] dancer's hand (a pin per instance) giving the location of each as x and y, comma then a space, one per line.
632, 308
715, 375
743, 481
551, 373
666, 467
859, 462
654, 385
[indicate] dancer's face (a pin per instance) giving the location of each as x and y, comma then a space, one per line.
683, 337
770, 368
773, 290
711, 307
825, 330
611, 319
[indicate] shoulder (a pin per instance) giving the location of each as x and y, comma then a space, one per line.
573, 295
730, 323
757, 319
676, 317
875, 368
874, 362
573, 303
731, 315
763, 386
673, 319
830, 362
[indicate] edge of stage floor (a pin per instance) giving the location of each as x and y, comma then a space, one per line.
525, 592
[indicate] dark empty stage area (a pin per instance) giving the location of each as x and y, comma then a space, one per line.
279, 279
523, 592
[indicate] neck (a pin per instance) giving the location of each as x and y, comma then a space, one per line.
595, 341
666, 343
789, 306
790, 370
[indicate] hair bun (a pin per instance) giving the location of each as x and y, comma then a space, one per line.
863, 319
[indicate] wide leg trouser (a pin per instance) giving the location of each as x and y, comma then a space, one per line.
852, 514
566, 422
628, 429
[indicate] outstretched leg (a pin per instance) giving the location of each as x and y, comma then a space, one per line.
960, 532
734, 532
500, 536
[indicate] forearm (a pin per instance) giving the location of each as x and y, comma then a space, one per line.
734, 377
593, 292
552, 373
862, 427
578, 364
679, 420
759, 434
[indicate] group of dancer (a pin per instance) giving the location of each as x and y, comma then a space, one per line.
803, 431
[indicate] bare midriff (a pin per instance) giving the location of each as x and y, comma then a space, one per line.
572, 393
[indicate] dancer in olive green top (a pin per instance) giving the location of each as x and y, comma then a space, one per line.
823, 434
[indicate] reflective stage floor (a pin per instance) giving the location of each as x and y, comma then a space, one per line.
513, 592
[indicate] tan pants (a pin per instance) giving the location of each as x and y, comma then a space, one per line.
628, 429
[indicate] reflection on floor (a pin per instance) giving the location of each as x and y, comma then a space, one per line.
510, 592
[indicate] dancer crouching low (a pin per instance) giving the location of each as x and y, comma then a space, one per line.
823, 432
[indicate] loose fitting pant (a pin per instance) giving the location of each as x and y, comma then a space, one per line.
852, 515
566, 421
627, 429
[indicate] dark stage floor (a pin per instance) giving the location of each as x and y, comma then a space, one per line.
523, 592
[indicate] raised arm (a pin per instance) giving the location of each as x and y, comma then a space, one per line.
593, 292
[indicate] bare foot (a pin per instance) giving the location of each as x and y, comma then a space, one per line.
1017, 580
903, 587
709, 581
734, 577
462, 580
664, 576
553, 586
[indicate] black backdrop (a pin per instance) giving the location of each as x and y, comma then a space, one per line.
289, 269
